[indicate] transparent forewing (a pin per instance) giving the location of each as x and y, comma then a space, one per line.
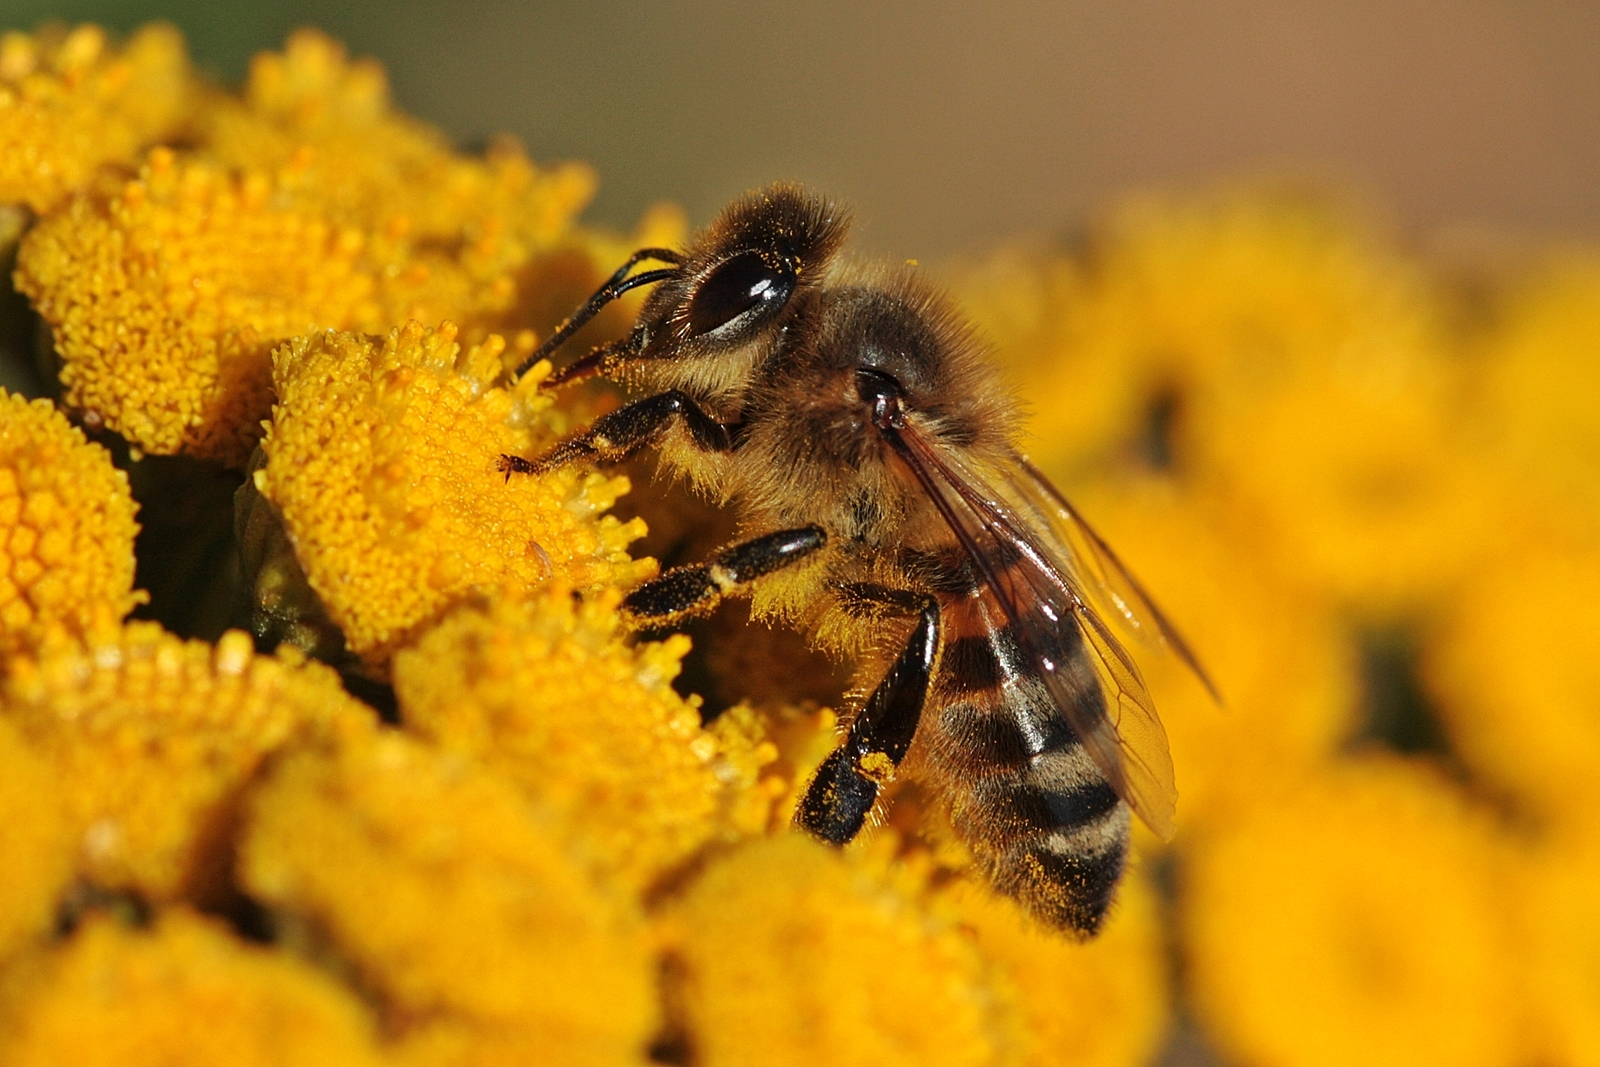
1102, 578
1111, 711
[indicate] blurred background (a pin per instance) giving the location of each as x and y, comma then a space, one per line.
949, 127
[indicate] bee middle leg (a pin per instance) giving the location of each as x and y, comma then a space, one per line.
698, 587
845, 787
621, 433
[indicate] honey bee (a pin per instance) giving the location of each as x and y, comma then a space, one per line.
851, 416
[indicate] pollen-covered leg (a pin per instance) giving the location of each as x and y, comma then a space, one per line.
624, 431
698, 587
845, 787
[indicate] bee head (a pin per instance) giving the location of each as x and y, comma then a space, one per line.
736, 289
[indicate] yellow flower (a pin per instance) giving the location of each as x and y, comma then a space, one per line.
184, 992
165, 296
1103, 1003
1560, 948
158, 738
1513, 665
1357, 921
70, 102
66, 529
547, 695
309, 205
35, 845
381, 460
457, 903
1541, 375
786, 952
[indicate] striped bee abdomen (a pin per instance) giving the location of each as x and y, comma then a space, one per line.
1024, 794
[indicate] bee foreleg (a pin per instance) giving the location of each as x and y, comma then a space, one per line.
845, 787
617, 435
698, 587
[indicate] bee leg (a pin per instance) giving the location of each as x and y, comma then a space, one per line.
698, 587
602, 359
845, 787
626, 430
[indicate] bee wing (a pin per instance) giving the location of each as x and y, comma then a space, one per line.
1111, 714
1097, 571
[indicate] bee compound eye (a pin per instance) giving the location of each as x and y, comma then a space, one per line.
734, 287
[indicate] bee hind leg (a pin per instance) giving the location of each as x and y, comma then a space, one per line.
621, 433
845, 787
698, 587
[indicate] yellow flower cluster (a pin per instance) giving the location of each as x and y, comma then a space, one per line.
307, 205
70, 103
1374, 515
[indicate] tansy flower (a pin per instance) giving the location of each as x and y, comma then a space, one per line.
459, 903
71, 102
381, 461
546, 694
185, 991
1560, 949
35, 844
165, 295
786, 952
1103, 1003
135, 706
66, 529
1518, 683
1353, 922
1535, 403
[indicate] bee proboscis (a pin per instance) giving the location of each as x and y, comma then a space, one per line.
852, 418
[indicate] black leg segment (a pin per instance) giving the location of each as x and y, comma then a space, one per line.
626, 430
698, 587
841, 795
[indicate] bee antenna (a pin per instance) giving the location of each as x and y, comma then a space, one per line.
614, 287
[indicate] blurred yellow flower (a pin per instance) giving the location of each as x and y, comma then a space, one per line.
1103, 1003
786, 952
71, 102
66, 529
183, 992
1354, 921
135, 706
381, 461
1514, 664
35, 844
458, 903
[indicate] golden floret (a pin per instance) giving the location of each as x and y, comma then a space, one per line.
66, 529
165, 298
457, 902
788, 952
546, 693
35, 843
185, 992
71, 102
159, 737
1356, 921
1101, 1003
381, 460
